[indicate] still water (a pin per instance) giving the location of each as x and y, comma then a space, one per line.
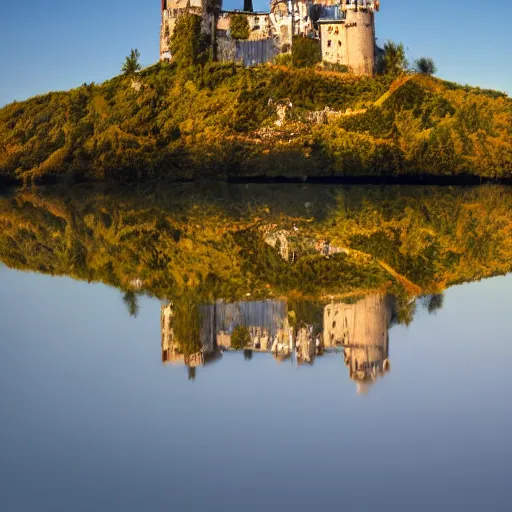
379, 370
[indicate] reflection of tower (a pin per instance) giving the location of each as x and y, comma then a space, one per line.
168, 345
362, 329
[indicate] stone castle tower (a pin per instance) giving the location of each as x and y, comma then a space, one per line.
349, 39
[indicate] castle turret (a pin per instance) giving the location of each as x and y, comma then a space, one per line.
349, 40
360, 40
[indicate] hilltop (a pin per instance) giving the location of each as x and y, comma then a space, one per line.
230, 122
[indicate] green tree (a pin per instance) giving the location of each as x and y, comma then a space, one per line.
240, 338
239, 26
394, 61
188, 44
305, 52
425, 66
131, 64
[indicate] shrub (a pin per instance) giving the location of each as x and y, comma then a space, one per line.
335, 66
305, 52
283, 59
425, 66
240, 338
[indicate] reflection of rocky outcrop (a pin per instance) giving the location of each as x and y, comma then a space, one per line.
279, 241
362, 329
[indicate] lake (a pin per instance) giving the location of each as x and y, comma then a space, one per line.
255, 347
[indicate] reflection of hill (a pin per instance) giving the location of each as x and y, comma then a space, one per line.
215, 242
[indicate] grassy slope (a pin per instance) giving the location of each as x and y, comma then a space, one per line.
221, 124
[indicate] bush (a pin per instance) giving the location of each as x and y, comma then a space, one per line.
240, 338
283, 59
425, 66
305, 52
335, 66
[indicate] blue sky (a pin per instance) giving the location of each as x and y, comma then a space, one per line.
58, 44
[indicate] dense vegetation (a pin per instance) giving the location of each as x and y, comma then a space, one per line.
216, 120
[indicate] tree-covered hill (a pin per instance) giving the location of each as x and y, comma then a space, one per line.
223, 121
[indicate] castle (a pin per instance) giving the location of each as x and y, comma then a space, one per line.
345, 29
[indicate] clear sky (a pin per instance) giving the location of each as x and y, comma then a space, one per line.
58, 44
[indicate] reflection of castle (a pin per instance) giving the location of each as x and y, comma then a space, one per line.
266, 321
359, 329
362, 329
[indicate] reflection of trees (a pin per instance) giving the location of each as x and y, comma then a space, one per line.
434, 302
405, 310
132, 303
187, 325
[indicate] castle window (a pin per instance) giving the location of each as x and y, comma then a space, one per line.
329, 43
339, 43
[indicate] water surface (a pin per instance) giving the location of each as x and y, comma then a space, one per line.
95, 417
